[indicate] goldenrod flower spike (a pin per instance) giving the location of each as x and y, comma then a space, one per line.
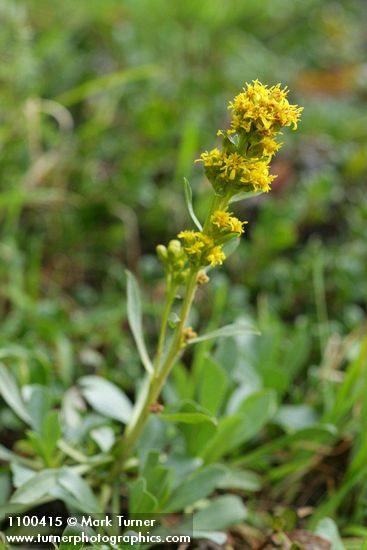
258, 114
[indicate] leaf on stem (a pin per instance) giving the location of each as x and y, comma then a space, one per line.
173, 319
244, 195
234, 329
188, 418
134, 316
188, 199
230, 246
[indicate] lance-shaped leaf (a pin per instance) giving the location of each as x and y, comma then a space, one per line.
188, 199
230, 246
245, 195
134, 316
234, 329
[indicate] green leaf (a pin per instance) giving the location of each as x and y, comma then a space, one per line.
38, 405
190, 208
213, 385
20, 474
134, 316
243, 480
230, 246
11, 394
9, 456
196, 435
39, 486
141, 500
104, 436
5, 487
17, 508
296, 417
45, 441
188, 412
78, 488
188, 418
234, 329
222, 512
173, 319
65, 359
51, 433
159, 477
183, 383
106, 398
196, 487
245, 195
236, 429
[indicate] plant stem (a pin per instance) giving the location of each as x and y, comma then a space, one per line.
156, 381
171, 291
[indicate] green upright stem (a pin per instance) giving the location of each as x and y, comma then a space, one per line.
166, 311
163, 369
159, 377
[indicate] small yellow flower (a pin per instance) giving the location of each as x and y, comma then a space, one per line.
216, 256
237, 226
256, 175
211, 158
263, 109
195, 248
269, 146
201, 248
233, 172
223, 220
233, 165
187, 235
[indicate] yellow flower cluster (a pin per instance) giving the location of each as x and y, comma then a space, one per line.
236, 171
257, 115
263, 109
201, 248
224, 221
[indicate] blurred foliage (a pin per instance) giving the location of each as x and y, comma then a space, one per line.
103, 108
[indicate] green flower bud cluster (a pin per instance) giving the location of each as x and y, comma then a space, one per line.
175, 261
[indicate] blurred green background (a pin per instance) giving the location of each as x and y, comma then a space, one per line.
104, 105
